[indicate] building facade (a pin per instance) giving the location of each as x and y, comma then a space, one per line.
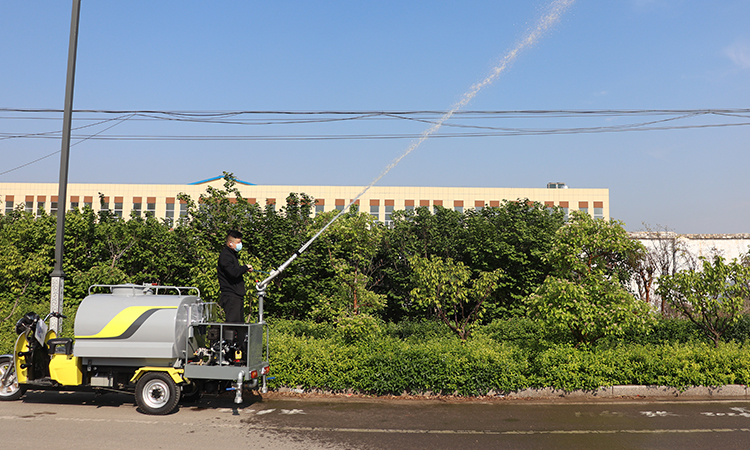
161, 200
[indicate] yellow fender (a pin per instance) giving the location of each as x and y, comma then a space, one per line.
176, 374
22, 345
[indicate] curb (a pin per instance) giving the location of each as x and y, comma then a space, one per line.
729, 391
739, 391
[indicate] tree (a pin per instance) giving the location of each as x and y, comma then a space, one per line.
514, 237
446, 287
712, 298
593, 261
666, 253
351, 244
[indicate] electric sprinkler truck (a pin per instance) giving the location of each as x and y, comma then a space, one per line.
158, 342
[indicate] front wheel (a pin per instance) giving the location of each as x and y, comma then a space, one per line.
156, 393
10, 390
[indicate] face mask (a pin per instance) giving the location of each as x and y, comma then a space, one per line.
238, 247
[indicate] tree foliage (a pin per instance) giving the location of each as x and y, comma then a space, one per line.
514, 237
447, 287
592, 262
712, 298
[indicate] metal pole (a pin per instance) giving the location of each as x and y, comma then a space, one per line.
56, 300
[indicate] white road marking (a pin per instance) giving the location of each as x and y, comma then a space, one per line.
495, 433
657, 413
393, 430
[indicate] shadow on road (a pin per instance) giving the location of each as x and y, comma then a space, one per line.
105, 399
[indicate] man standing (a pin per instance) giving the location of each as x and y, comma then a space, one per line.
231, 283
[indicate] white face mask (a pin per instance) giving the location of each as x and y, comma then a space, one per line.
238, 247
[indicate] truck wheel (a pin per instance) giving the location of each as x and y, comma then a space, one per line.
10, 390
156, 393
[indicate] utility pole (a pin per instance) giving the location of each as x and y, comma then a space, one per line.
58, 276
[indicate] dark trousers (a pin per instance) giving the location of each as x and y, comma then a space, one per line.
233, 306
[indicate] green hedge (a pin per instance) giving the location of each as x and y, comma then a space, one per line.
392, 366
501, 357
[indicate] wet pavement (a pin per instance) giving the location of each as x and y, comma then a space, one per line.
294, 422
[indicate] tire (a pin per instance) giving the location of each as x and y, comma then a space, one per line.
156, 394
12, 390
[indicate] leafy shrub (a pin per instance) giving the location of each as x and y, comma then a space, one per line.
302, 328
357, 328
740, 330
416, 330
493, 360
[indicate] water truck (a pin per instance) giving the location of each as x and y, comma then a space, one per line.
160, 343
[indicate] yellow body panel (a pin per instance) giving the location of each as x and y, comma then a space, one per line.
176, 374
66, 370
122, 321
22, 345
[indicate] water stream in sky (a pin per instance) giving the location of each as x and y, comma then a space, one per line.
553, 13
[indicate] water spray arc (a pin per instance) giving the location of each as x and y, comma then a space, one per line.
550, 18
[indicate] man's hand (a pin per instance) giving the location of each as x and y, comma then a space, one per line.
249, 268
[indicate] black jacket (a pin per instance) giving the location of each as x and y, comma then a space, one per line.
230, 273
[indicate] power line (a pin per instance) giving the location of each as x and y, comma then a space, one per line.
664, 120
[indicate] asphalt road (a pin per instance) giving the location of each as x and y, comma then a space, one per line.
84, 421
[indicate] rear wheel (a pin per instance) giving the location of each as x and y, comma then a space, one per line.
10, 390
156, 393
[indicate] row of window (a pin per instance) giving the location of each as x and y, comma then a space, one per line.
117, 209
340, 204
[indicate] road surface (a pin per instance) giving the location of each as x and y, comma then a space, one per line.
86, 421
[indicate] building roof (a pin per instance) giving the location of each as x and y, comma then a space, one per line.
208, 180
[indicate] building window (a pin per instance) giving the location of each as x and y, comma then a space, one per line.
8, 206
88, 202
583, 207
30, 206
137, 206
118, 209
170, 212
598, 210
103, 203
458, 206
478, 205
565, 210
375, 209
53, 207
409, 205
74, 202
183, 209
389, 204
150, 209
320, 206
39, 208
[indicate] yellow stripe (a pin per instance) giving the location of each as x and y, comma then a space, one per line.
123, 320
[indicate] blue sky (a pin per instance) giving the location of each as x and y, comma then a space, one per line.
394, 56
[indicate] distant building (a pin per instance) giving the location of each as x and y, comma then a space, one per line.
161, 200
